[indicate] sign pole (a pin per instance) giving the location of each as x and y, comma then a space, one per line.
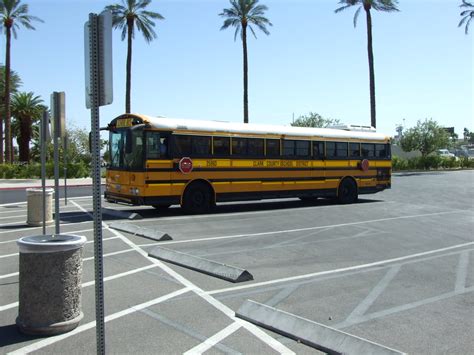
65, 167
43, 141
56, 184
96, 193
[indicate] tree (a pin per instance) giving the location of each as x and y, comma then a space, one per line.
26, 110
243, 14
468, 136
426, 136
367, 5
13, 15
126, 16
314, 120
468, 15
15, 83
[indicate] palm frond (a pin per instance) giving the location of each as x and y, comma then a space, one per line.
356, 16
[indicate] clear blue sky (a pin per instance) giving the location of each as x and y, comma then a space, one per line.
313, 60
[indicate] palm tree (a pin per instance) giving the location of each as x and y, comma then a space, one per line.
245, 13
378, 5
126, 16
26, 109
13, 15
15, 83
468, 15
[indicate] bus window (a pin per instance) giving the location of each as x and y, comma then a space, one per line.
368, 150
153, 143
182, 145
302, 148
288, 148
331, 149
221, 146
255, 147
116, 148
239, 146
381, 151
201, 146
318, 150
135, 159
273, 147
354, 150
341, 150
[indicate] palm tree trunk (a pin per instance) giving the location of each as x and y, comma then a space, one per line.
1, 132
246, 98
371, 68
8, 133
129, 66
24, 139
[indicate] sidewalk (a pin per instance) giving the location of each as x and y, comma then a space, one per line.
21, 184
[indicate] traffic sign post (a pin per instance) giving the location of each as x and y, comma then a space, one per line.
98, 69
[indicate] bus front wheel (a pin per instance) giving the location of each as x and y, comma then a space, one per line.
197, 199
347, 192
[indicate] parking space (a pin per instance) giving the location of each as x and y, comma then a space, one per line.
395, 269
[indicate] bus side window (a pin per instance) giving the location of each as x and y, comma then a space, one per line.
303, 149
272, 147
288, 148
368, 150
318, 150
341, 150
331, 149
153, 145
221, 146
255, 147
354, 150
381, 151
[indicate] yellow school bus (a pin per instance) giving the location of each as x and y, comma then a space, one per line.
161, 162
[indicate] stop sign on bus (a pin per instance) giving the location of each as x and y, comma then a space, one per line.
185, 165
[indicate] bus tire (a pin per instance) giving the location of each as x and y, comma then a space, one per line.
197, 198
347, 192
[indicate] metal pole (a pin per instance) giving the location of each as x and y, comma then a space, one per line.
43, 141
96, 193
65, 168
56, 181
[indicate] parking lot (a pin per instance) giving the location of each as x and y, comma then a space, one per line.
395, 269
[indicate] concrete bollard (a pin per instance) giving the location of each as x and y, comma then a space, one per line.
35, 206
50, 283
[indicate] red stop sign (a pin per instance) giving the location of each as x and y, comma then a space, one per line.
185, 165
364, 165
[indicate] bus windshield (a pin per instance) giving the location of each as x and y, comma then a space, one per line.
119, 157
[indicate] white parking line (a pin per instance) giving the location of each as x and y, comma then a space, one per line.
41, 227
216, 338
91, 283
335, 271
461, 272
307, 228
51, 340
272, 342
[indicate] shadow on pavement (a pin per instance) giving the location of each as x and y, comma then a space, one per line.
9, 335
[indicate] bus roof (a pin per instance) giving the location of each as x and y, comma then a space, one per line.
178, 124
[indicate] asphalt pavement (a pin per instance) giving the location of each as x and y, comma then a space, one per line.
394, 269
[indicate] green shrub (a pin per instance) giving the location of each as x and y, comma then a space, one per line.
33, 171
399, 163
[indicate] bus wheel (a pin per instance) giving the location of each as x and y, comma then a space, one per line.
197, 199
347, 192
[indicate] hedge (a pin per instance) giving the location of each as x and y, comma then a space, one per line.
431, 162
31, 171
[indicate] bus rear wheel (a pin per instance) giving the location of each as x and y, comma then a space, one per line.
347, 192
197, 199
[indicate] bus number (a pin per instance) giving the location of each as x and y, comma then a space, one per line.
211, 163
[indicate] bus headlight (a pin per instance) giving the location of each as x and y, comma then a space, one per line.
134, 191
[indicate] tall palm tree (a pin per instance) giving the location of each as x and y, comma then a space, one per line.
468, 15
243, 14
15, 83
126, 16
13, 15
26, 109
367, 5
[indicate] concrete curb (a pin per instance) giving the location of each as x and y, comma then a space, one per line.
140, 231
308, 332
120, 214
205, 266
